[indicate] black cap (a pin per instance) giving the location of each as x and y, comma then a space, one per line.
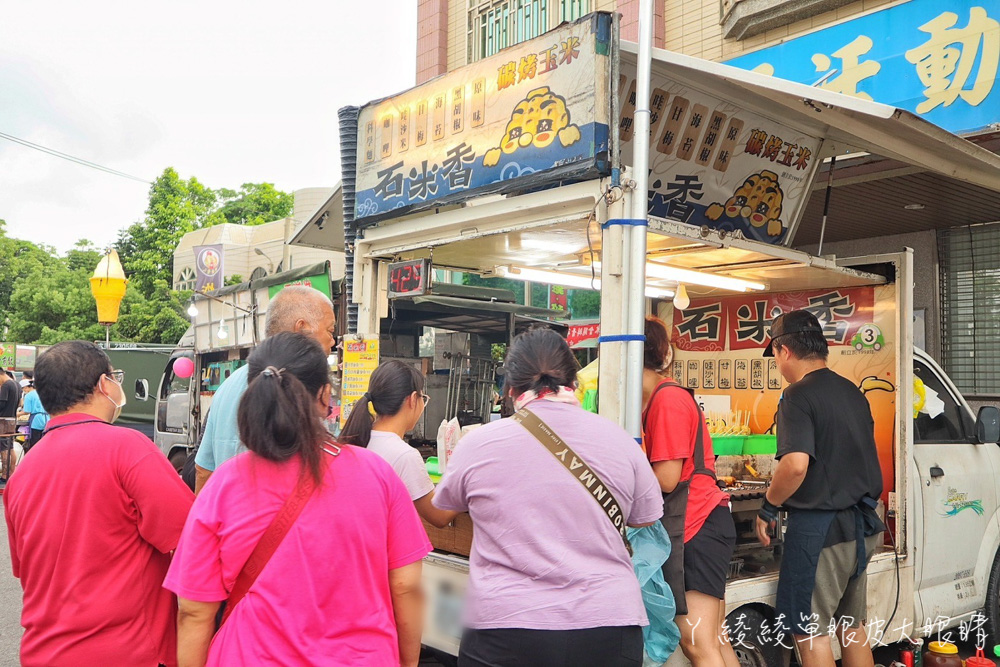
796, 321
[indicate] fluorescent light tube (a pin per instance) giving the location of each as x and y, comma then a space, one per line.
573, 280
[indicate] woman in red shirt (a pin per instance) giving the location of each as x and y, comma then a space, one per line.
696, 512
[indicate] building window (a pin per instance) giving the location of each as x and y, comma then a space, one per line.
497, 24
258, 273
969, 258
186, 279
574, 9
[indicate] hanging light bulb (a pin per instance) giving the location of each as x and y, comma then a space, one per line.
223, 332
681, 299
192, 310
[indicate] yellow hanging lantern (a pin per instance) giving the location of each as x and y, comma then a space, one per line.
108, 287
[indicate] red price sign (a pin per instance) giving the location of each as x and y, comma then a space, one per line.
409, 278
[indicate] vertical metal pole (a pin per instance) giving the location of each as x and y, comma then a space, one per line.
636, 235
826, 204
611, 370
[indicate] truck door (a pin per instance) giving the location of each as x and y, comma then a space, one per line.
173, 410
958, 501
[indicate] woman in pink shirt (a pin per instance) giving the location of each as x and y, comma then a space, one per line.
343, 585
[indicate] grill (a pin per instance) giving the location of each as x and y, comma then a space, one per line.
738, 493
749, 556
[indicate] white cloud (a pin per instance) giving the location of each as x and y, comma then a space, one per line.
229, 92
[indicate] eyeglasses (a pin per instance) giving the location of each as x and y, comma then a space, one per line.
426, 399
117, 376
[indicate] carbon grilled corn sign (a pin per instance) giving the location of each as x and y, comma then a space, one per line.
531, 114
714, 164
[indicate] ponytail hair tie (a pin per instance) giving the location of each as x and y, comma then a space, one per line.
271, 371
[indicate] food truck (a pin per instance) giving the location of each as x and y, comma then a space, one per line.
520, 165
226, 324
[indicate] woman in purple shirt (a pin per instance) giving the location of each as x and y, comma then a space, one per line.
550, 581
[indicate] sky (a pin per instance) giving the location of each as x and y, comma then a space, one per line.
228, 92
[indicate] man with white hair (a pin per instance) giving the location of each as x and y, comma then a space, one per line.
295, 309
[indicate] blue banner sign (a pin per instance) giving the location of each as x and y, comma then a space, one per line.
935, 58
528, 116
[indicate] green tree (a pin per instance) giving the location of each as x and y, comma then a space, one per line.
584, 304
17, 259
45, 297
159, 319
539, 292
176, 207
255, 204
53, 304
83, 256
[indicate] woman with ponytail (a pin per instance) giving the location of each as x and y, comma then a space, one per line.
342, 585
389, 410
550, 580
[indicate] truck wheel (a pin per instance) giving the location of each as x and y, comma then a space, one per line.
178, 459
992, 609
751, 648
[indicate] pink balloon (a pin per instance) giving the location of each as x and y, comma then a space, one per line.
183, 367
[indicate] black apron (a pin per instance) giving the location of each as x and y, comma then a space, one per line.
675, 504
807, 533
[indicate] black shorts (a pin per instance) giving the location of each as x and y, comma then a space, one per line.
517, 647
708, 553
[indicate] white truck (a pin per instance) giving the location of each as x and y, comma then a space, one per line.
733, 158
225, 326
942, 562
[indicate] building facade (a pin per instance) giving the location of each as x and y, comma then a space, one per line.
453, 33
256, 251
937, 59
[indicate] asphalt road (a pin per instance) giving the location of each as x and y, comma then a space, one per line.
10, 606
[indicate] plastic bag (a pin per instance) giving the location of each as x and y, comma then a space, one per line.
650, 550
586, 382
449, 433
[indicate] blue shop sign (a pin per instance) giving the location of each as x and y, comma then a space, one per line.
935, 58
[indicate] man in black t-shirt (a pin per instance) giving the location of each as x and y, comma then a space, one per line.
828, 479
10, 400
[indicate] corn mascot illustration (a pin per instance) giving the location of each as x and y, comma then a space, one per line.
537, 120
758, 200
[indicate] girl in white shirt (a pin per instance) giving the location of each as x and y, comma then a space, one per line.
388, 410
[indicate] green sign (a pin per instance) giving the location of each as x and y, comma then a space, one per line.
320, 282
7, 356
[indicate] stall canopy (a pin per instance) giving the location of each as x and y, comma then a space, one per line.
325, 228
555, 229
895, 172
847, 124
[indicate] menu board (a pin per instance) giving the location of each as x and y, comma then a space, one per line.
360, 361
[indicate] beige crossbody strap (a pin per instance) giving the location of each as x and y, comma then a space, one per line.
577, 467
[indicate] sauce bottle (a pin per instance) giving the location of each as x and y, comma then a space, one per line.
979, 660
942, 654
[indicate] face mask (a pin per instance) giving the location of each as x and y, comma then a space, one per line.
118, 408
